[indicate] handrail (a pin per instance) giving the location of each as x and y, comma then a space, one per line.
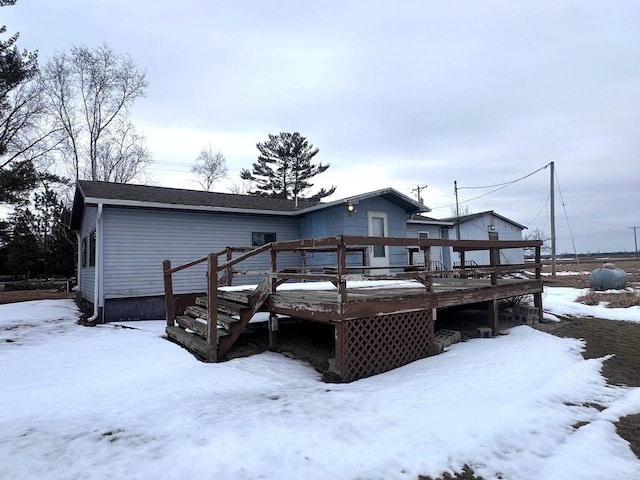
341, 245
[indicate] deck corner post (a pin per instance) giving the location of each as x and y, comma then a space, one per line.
538, 260
212, 307
537, 302
169, 301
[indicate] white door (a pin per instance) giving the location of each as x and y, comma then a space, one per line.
378, 254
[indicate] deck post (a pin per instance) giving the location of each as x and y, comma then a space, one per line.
342, 272
463, 262
427, 267
537, 297
273, 330
274, 269
169, 302
303, 263
230, 268
212, 307
493, 316
494, 259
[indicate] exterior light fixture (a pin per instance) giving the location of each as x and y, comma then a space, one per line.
492, 227
351, 208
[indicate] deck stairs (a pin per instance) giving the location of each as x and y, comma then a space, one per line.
235, 311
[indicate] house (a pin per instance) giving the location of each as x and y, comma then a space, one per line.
126, 231
487, 225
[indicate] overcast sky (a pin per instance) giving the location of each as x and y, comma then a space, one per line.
394, 94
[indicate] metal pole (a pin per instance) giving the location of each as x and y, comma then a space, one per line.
553, 221
635, 239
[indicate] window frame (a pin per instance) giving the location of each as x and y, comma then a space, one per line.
256, 240
92, 249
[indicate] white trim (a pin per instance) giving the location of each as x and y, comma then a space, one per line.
176, 206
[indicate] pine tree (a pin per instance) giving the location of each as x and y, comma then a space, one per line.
23, 250
285, 166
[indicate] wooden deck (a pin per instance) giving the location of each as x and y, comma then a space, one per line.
324, 305
378, 327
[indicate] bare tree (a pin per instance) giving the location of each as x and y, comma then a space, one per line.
89, 93
209, 167
538, 234
462, 210
243, 187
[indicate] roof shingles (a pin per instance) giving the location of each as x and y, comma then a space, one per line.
176, 196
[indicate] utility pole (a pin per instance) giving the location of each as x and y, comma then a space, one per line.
418, 189
553, 220
455, 189
635, 239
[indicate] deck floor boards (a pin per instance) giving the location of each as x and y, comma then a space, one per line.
324, 304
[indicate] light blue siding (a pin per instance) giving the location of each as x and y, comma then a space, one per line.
338, 221
434, 232
137, 241
87, 274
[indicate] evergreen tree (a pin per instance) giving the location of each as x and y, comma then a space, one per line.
23, 250
285, 166
17, 109
56, 240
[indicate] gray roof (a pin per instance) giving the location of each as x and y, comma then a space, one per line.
177, 196
124, 194
108, 192
472, 216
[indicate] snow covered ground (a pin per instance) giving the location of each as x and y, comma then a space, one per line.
113, 402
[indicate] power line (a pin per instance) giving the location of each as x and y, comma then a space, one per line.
506, 184
575, 251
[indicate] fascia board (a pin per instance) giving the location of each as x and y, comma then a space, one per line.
174, 206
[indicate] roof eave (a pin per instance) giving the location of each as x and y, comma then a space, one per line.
175, 206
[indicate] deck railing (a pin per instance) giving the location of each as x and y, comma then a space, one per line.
340, 271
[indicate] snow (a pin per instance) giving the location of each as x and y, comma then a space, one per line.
561, 301
119, 401
352, 284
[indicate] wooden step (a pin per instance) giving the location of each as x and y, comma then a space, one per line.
238, 296
226, 321
197, 326
224, 305
196, 311
191, 342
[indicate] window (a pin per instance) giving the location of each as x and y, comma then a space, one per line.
84, 254
92, 249
493, 235
262, 238
423, 234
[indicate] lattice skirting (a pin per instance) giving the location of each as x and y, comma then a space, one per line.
372, 345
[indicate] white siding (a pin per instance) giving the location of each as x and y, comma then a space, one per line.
479, 228
434, 232
87, 274
137, 241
